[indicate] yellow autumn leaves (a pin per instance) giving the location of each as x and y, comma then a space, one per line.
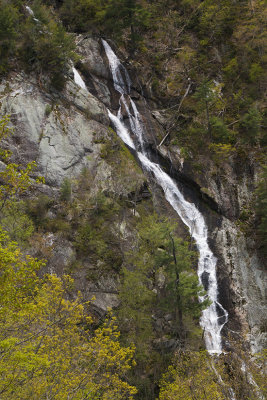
48, 348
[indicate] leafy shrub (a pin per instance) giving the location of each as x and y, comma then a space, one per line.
250, 125
78, 15
37, 209
48, 344
8, 32
40, 41
261, 209
50, 48
65, 190
17, 223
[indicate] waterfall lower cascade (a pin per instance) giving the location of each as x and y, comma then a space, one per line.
215, 316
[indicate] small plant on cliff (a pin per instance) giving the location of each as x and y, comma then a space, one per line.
261, 209
65, 190
15, 179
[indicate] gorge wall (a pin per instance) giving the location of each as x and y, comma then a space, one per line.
64, 132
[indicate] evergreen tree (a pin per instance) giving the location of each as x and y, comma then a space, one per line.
159, 256
160, 251
261, 209
9, 16
251, 125
129, 15
81, 15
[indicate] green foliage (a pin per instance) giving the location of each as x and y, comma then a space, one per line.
88, 239
208, 96
128, 14
206, 41
255, 72
195, 375
48, 110
216, 51
231, 68
15, 179
160, 250
221, 152
95, 236
49, 48
135, 311
218, 18
205, 93
251, 126
261, 209
65, 190
17, 223
37, 208
127, 174
43, 45
159, 268
84, 15
220, 133
48, 347
80, 14
192, 377
8, 22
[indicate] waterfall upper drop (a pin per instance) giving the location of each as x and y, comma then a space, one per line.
211, 322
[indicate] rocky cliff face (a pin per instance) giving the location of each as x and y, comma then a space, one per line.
223, 197
64, 133
55, 131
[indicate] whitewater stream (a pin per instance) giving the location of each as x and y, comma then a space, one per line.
31, 13
215, 316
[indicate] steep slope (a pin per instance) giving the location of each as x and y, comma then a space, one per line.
187, 98
63, 133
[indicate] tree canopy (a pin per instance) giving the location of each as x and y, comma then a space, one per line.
48, 346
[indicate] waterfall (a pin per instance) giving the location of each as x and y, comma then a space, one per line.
215, 316
30, 11
251, 380
78, 79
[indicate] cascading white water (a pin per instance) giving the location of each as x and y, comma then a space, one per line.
215, 316
117, 69
121, 130
30, 11
78, 79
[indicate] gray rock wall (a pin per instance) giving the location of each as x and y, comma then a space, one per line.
58, 133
